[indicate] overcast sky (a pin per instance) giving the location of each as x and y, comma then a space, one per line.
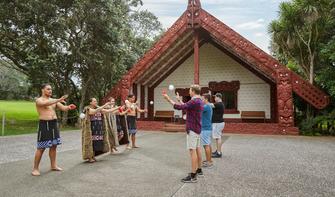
250, 18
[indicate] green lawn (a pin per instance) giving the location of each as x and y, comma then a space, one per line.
21, 117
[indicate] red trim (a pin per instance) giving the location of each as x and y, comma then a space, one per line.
196, 57
135, 89
151, 108
142, 104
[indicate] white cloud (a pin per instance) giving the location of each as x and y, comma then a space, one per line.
259, 34
251, 24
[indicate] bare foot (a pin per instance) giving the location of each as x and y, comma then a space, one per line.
35, 172
56, 169
91, 160
128, 147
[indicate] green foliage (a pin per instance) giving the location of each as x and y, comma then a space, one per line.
303, 39
299, 32
81, 47
319, 125
14, 85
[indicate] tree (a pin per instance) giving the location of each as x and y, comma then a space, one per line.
14, 85
81, 47
300, 33
297, 34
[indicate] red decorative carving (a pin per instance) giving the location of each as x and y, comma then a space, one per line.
172, 55
125, 87
224, 86
309, 93
285, 98
193, 13
196, 58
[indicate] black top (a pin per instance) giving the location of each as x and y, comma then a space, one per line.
218, 113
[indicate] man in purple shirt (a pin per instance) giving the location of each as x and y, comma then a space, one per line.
193, 109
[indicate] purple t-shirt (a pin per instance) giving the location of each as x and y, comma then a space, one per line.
193, 108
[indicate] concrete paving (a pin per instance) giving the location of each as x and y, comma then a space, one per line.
251, 166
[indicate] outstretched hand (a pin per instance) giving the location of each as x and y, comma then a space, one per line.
72, 106
62, 99
164, 94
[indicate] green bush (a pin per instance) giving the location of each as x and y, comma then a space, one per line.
320, 125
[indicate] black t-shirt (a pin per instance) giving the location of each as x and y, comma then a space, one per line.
218, 113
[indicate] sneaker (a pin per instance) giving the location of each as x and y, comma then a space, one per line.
189, 179
217, 155
207, 164
214, 153
200, 173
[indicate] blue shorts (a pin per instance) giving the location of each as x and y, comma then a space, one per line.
132, 131
206, 137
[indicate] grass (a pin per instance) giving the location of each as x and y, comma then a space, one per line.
21, 117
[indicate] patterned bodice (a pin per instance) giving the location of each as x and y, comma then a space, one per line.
97, 116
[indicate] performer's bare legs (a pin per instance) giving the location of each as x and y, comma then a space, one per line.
133, 140
52, 155
38, 157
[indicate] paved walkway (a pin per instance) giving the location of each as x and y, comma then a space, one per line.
251, 166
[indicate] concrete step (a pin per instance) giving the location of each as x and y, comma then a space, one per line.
174, 125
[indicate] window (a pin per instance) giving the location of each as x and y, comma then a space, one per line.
229, 98
229, 92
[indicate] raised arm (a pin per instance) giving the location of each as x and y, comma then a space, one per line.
179, 99
141, 110
42, 103
176, 105
111, 110
62, 107
99, 109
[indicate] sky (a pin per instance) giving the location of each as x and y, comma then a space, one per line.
250, 18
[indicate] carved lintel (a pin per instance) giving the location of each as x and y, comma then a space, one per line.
224, 86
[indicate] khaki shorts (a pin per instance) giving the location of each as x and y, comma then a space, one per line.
192, 140
218, 130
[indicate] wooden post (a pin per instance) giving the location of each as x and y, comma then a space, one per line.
196, 57
142, 104
135, 90
151, 106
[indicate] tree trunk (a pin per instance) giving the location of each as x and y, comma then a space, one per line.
310, 110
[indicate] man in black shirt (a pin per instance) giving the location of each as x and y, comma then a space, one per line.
218, 124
